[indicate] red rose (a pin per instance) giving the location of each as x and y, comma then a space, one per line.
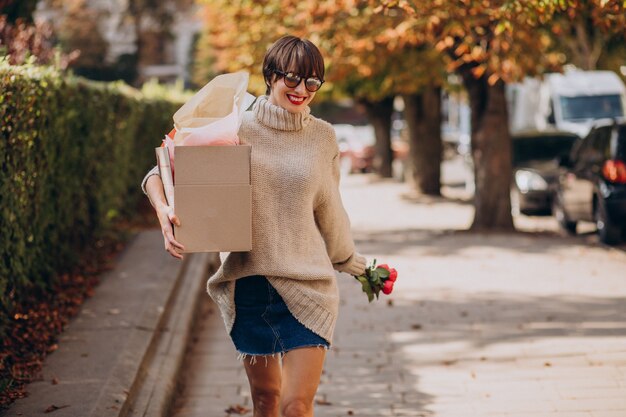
388, 287
393, 275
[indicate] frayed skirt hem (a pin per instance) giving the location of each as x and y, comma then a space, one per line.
253, 357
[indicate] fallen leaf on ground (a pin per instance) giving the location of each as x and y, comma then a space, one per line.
237, 409
55, 408
27, 341
55, 380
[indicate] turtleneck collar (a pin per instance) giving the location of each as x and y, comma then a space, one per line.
278, 118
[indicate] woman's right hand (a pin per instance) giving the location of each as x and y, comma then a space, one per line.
167, 219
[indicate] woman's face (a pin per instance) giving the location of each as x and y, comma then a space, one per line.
294, 100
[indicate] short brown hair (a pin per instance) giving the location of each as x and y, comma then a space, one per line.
293, 54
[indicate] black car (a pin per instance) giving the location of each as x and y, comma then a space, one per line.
536, 158
592, 182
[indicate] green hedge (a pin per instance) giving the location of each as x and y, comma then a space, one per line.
73, 154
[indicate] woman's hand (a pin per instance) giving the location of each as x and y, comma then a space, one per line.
167, 219
165, 214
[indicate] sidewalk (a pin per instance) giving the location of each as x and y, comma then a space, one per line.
123, 350
499, 325
509, 325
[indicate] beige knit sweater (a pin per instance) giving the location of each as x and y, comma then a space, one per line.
300, 230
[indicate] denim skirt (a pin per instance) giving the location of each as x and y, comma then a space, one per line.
263, 323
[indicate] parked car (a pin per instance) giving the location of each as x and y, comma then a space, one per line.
357, 146
592, 182
536, 169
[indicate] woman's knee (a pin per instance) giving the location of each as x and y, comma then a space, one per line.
297, 407
266, 401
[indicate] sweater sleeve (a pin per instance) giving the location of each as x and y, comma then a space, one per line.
153, 171
334, 225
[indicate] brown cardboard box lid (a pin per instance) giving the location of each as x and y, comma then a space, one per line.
212, 164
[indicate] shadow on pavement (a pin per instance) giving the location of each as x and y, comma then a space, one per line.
438, 354
431, 200
494, 318
451, 242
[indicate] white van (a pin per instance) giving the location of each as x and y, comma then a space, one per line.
567, 102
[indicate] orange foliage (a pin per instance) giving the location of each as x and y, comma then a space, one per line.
506, 39
367, 53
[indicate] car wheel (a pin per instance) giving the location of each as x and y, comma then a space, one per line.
608, 231
561, 217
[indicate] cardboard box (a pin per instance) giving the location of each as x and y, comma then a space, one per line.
213, 198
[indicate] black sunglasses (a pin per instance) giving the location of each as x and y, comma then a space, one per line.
292, 80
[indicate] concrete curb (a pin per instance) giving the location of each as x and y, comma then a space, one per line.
156, 387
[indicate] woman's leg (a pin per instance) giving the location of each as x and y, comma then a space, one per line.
265, 382
302, 369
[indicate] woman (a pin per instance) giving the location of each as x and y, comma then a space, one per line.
279, 301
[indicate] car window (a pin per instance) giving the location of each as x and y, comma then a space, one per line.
591, 107
541, 148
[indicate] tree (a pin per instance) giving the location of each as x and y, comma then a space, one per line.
486, 43
423, 116
79, 32
589, 29
369, 56
151, 20
376, 57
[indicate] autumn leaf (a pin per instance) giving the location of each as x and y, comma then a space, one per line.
237, 409
53, 407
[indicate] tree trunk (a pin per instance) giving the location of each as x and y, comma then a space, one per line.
379, 115
423, 116
491, 153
